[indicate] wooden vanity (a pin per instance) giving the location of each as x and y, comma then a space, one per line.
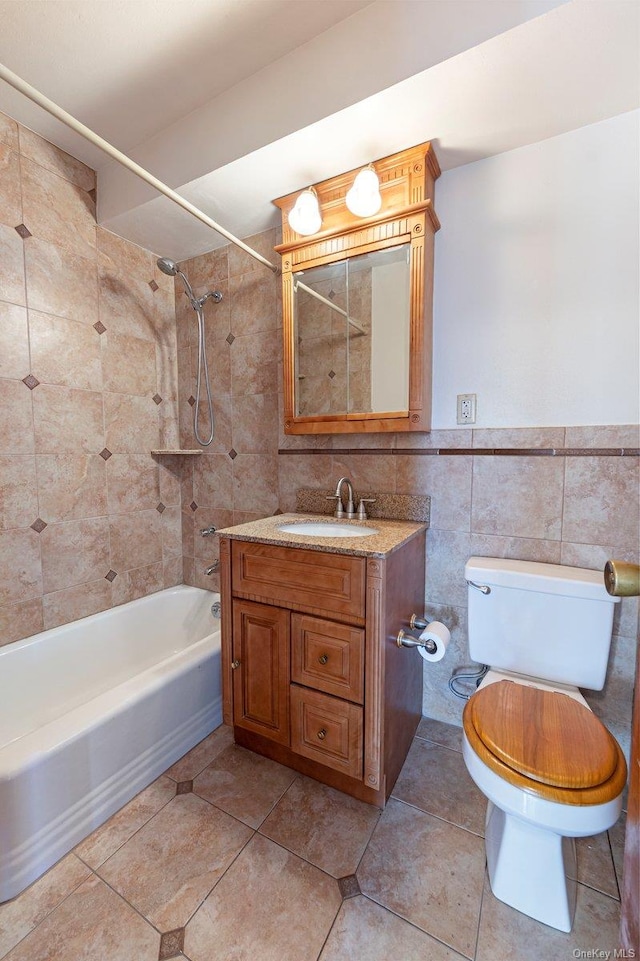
312, 675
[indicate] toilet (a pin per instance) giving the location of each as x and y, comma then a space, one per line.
549, 768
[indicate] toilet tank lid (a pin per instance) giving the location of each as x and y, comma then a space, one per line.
535, 576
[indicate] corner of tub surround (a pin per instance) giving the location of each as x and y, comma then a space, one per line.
397, 507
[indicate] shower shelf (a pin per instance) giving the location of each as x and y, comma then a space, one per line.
186, 453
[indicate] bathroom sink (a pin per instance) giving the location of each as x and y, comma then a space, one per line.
312, 529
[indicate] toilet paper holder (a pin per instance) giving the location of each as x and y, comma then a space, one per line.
406, 640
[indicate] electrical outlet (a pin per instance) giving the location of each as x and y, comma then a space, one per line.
466, 408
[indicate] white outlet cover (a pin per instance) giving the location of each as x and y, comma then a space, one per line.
466, 409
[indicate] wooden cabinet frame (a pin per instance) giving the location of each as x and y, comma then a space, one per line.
407, 216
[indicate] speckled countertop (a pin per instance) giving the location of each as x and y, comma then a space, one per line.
390, 534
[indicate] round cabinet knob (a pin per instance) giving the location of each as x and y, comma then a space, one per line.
323, 658
322, 734
235, 664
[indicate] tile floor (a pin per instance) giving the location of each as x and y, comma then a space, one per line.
231, 857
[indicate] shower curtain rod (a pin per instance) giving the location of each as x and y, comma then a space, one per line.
25, 88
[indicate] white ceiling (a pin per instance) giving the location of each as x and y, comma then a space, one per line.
236, 102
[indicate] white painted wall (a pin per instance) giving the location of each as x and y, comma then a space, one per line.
536, 282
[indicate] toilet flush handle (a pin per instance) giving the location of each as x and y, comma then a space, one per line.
483, 588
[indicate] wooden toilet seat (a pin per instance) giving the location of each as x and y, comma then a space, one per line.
544, 742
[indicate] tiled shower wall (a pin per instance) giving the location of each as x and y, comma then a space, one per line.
578, 509
88, 386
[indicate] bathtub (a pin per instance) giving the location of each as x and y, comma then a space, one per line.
91, 713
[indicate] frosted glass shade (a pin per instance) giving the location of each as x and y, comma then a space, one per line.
364, 198
305, 217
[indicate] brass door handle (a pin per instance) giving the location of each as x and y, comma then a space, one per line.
235, 664
323, 658
322, 734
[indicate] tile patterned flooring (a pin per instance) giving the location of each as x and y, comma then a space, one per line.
231, 857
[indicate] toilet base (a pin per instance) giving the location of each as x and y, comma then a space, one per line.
531, 869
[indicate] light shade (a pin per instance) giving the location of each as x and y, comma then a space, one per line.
364, 198
305, 217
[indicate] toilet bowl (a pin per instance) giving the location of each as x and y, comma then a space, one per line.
549, 768
531, 823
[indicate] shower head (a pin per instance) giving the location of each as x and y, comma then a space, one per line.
167, 266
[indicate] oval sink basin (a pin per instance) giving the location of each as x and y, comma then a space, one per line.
312, 529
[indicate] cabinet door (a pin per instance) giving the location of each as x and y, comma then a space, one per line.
261, 674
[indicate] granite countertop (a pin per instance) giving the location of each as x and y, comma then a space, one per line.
391, 534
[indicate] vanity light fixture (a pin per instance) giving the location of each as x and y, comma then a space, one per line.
364, 198
305, 217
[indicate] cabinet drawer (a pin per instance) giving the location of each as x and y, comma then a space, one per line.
327, 730
299, 579
327, 656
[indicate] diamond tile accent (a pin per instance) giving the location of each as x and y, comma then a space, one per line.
31, 381
331, 294
99, 326
153, 285
105, 453
332, 374
191, 401
157, 399
349, 886
233, 454
184, 787
193, 506
230, 339
111, 576
161, 508
38, 525
23, 231
171, 944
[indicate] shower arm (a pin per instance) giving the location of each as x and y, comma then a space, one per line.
25, 88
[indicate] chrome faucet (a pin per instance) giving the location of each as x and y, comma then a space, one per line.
213, 569
339, 511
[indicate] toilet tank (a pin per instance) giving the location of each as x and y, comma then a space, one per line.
544, 620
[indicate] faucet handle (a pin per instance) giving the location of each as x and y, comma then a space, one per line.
362, 510
339, 511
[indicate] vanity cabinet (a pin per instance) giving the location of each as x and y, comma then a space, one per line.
312, 675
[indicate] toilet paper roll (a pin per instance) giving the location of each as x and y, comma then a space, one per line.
440, 635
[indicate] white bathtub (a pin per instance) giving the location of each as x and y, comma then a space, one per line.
92, 712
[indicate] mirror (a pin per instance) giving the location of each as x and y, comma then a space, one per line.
351, 323
357, 305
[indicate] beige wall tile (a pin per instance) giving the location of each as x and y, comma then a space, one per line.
71, 486
12, 287
518, 496
136, 540
172, 571
210, 269
64, 352
132, 423
217, 316
10, 198
438, 438
14, 341
74, 552
523, 548
20, 566
303, 470
621, 435
255, 483
66, 419
18, 490
57, 211
170, 481
366, 473
128, 364
447, 480
254, 423
126, 304
213, 481
133, 483
118, 255
207, 548
130, 585
20, 620
8, 131
537, 437
171, 522
16, 424
61, 282
242, 263
55, 159
254, 362
447, 554
601, 501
